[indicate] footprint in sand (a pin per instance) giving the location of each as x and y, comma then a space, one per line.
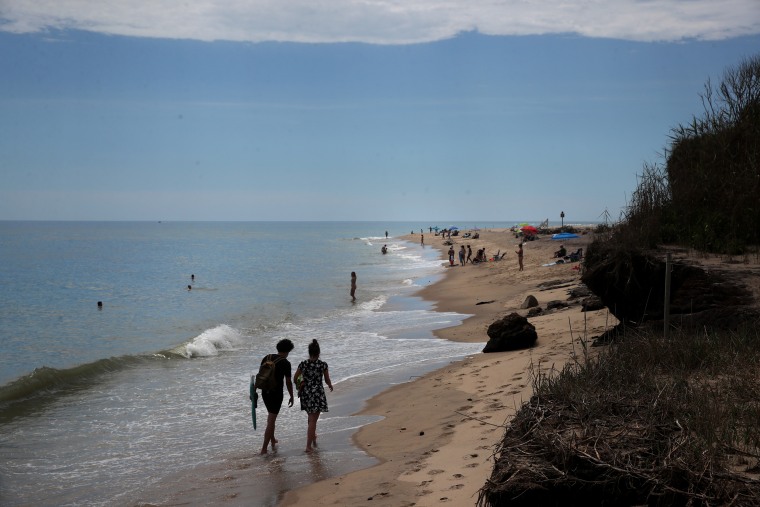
424, 492
472, 465
436, 472
458, 476
457, 486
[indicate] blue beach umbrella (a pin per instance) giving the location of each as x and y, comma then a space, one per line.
453, 228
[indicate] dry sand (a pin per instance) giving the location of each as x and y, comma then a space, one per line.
439, 432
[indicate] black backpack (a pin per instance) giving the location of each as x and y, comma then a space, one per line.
265, 378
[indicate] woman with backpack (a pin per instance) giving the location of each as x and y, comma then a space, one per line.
309, 377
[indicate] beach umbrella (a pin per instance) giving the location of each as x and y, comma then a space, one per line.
453, 228
564, 235
529, 229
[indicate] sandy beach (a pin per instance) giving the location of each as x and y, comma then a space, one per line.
436, 440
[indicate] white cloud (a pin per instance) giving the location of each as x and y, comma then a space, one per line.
386, 21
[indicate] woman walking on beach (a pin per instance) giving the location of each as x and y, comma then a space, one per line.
353, 285
309, 377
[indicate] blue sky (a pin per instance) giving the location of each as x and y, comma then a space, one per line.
346, 110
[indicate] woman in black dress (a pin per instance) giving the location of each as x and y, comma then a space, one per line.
309, 377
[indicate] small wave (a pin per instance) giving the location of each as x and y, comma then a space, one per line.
31, 393
211, 341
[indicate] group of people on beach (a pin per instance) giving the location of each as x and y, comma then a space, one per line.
308, 378
465, 256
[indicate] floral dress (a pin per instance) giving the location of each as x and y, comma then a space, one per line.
312, 393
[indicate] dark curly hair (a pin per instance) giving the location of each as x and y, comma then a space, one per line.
285, 345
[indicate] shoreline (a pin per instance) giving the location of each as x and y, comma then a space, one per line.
438, 434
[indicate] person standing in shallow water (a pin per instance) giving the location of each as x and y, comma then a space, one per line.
353, 285
309, 377
273, 399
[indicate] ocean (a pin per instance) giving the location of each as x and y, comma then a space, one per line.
143, 398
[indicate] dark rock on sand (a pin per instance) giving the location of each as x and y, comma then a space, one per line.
530, 302
592, 303
535, 312
512, 332
556, 305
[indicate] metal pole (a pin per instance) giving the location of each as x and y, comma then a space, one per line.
666, 310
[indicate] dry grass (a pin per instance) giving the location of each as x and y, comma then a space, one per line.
648, 421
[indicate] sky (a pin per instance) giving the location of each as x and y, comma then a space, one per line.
387, 110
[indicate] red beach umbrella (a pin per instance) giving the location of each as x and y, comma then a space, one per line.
529, 229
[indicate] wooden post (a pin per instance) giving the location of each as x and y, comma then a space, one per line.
666, 310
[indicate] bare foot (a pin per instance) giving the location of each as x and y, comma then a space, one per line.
264, 451
309, 450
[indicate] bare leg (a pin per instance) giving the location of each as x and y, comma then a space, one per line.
311, 432
269, 433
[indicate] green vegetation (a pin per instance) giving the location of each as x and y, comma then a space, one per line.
708, 194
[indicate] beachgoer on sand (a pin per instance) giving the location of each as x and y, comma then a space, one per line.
469, 254
451, 255
353, 285
273, 398
309, 377
461, 255
519, 253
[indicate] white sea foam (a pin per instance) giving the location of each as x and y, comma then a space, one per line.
211, 341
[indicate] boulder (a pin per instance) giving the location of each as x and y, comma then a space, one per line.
535, 312
530, 302
512, 332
